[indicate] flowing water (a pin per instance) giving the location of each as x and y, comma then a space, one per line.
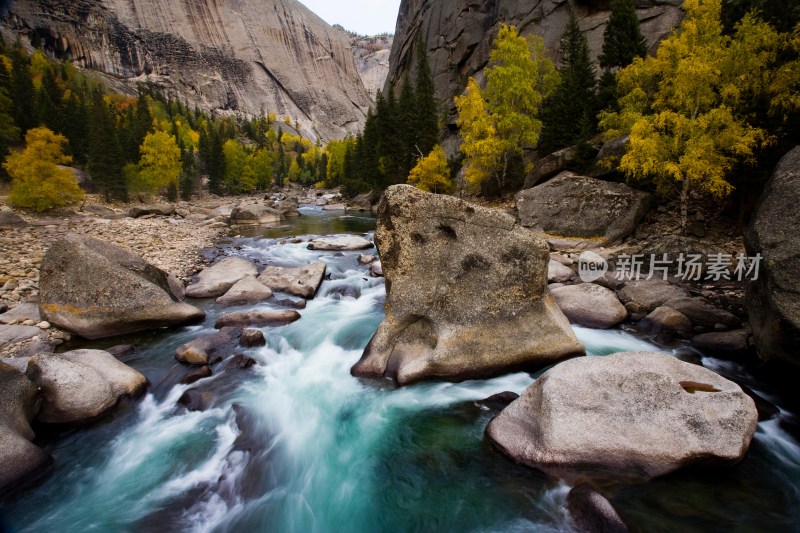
296, 444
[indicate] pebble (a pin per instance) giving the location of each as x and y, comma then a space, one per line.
44, 324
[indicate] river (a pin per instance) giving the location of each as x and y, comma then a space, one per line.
296, 444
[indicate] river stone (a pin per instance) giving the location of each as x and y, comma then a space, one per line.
582, 209
252, 337
21, 313
13, 334
729, 343
97, 289
340, 244
666, 414
217, 279
301, 281
124, 380
196, 375
366, 259
559, 273
288, 207
162, 210
20, 401
666, 320
592, 512
376, 270
254, 214
9, 219
702, 313
200, 350
258, 319
465, 293
590, 305
773, 300
77, 392
649, 294
246, 290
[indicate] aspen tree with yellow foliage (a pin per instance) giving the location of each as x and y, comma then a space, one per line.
500, 123
37, 181
680, 106
432, 173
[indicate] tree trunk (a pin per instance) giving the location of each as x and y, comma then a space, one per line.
684, 204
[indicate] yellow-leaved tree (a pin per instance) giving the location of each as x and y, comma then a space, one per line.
680, 106
432, 173
160, 163
499, 123
37, 180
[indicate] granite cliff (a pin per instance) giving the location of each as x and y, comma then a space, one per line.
458, 33
238, 55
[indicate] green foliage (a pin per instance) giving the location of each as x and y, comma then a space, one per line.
569, 115
500, 123
432, 173
680, 107
622, 38
37, 180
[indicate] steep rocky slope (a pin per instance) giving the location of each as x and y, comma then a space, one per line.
241, 55
458, 33
371, 55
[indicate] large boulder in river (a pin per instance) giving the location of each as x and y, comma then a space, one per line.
246, 290
576, 211
97, 289
465, 293
217, 279
646, 295
633, 415
82, 385
773, 300
254, 214
590, 305
301, 281
20, 401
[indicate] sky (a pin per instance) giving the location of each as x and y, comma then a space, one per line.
365, 17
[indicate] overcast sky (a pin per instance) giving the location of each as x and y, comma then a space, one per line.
366, 17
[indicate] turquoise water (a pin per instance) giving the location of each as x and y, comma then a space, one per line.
296, 444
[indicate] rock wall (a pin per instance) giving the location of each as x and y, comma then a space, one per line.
458, 33
237, 55
371, 55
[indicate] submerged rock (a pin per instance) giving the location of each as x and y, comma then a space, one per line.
773, 300
590, 305
465, 293
581, 209
665, 415
301, 281
200, 350
340, 244
82, 385
217, 279
97, 289
592, 512
20, 401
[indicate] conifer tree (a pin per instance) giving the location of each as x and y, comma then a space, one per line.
426, 108
22, 90
105, 155
569, 115
622, 38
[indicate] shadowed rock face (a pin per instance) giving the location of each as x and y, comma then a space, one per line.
458, 33
465, 293
247, 55
773, 300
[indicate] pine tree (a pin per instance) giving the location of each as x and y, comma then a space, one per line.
105, 155
622, 39
569, 115
22, 90
408, 126
426, 108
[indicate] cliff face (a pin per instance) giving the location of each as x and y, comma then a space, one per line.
241, 55
372, 60
458, 33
